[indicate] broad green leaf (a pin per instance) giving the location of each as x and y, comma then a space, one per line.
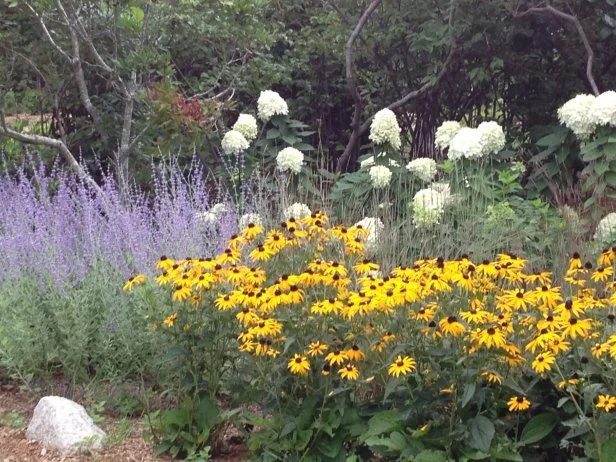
608, 451
553, 139
383, 422
538, 428
430, 455
469, 392
481, 432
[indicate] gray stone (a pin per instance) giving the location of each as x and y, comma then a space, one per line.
64, 425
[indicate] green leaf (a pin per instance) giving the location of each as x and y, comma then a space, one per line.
506, 455
383, 422
481, 432
608, 451
553, 139
610, 179
591, 154
207, 413
538, 428
430, 455
469, 392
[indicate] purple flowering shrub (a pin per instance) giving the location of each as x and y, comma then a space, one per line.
66, 253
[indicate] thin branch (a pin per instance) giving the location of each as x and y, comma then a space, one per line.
359, 129
46, 32
549, 9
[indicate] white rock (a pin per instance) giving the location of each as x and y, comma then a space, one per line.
64, 425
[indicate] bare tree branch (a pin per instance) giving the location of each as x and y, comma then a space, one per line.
358, 128
547, 8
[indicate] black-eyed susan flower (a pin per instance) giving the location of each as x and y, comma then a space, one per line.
574, 327
599, 349
251, 231
491, 338
135, 280
336, 357
606, 402
170, 320
164, 263
492, 377
602, 273
181, 293
261, 253
326, 369
355, 354
543, 362
451, 326
518, 403
299, 365
365, 266
564, 384
225, 302
402, 366
349, 372
317, 349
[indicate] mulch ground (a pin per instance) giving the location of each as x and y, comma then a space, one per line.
14, 447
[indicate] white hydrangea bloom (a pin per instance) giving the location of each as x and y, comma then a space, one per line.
249, 218
375, 227
385, 128
575, 115
445, 133
247, 126
298, 211
428, 206
290, 160
606, 229
466, 143
603, 109
270, 104
492, 137
234, 142
380, 176
206, 218
369, 161
219, 209
445, 191
423, 168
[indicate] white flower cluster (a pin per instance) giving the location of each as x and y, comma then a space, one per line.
429, 205
297, 211
606, 229
375, 227
247, 126
234, 143
270, 104
211, 217
369, 161
423, 168
385, 128
380, 176
445, 133
603, 109
575, 115
474, 143
249, 218
290, 160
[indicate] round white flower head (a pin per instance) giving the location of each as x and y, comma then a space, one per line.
270, 104
380, 176
290, 160
466, 143
234, 142
445, 191
606, 229
206, 218
369, 161
249, 218
492, 137
575, 114
428, 206
385, 128
423, 168
603, 109
375, 227
247, 126
298, 211
219, 209
445, 133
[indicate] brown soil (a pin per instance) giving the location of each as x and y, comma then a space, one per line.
14, 447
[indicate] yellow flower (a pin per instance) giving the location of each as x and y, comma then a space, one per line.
365, 266
518, 403
543, 362
299, 365
355, 354
316, 349
349, 372
164, 263
492, 377
181, 293
599, 349
170, 321
251, 231
602, 273
491, 337
402, 366
135, 280
451, 326
336, 357
574, 327
564, 384
606, 402
261, 253
225, 302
